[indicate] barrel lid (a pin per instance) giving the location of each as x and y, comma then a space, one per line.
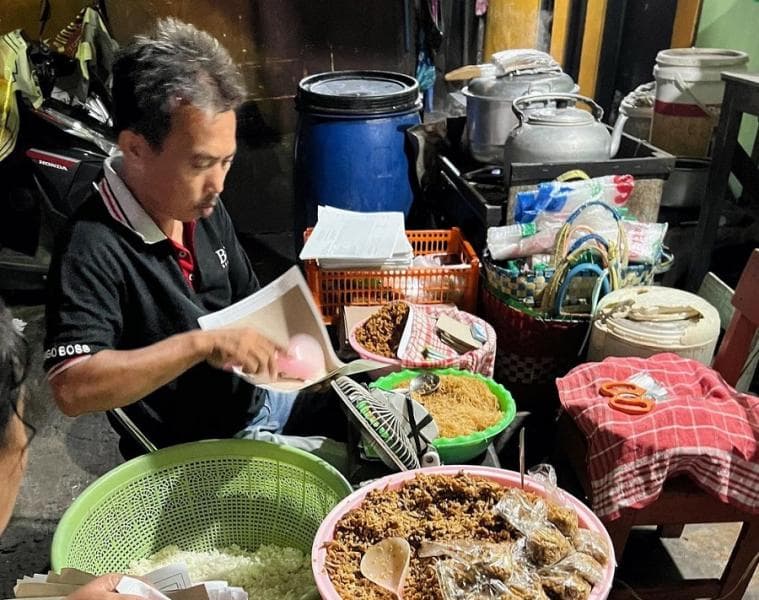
358, 92
515, 85
701, 57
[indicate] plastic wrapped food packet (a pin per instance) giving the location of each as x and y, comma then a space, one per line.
577, 563
475, 570
560, 513
591, 543
544, 543
520, 512
516, 241
461, 581
566, 587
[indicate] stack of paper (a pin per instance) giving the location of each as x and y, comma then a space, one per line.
167, 583
344, 239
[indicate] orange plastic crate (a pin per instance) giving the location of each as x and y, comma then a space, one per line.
428, 285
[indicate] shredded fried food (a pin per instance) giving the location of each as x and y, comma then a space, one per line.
427, 508
566, 587
461, 406
446, 515
381, 333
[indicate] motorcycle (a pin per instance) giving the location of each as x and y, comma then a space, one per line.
55, 133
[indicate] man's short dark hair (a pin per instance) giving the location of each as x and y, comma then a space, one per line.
14, 365
177, 64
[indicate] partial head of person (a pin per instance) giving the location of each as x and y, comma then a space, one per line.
175, 93
14, 364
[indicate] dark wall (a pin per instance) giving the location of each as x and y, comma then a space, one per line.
277, 43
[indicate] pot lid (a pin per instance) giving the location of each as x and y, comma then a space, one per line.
658, 317
550, 115
515, 85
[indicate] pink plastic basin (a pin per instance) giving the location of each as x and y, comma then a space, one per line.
506, 478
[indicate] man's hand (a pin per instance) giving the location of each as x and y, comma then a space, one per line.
102, 588
245, 348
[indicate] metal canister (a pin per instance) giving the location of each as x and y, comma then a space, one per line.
488, 110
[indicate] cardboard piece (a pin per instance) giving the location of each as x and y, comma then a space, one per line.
74, 576
350, 316
167, 583
279, 311
457, 334
34, 589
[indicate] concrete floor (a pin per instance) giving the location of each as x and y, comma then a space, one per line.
68, 454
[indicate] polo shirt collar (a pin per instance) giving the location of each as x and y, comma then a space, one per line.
123, 206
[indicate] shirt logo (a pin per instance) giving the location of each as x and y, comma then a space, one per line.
221, 254
65, 350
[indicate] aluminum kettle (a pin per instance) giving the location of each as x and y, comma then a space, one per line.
560, 132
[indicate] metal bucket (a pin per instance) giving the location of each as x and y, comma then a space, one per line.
686, 185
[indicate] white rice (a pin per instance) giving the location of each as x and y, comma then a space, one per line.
269, 573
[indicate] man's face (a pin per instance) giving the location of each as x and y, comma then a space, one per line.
186, 175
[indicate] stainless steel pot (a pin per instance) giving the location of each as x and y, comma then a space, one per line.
488, 108
686, 185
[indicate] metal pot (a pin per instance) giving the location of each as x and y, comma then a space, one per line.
488, 108
560, 132
686, 185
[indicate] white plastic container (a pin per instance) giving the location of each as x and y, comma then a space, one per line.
638, 120
646, 320
689, 92
638, 107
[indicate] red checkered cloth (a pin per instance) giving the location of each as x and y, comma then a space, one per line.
421, 331
703, 428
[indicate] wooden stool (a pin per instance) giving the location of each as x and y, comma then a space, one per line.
682, 501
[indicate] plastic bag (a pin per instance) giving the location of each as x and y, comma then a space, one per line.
476, 571
577, 563
644, 240
304, 358
558, 513
566, 587
517, 241
544, 543
554, 201
591, 543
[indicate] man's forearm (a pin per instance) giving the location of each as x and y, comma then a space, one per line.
114, 378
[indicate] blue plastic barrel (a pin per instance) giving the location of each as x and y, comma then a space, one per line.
351, 149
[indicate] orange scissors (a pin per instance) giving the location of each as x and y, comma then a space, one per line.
627, 397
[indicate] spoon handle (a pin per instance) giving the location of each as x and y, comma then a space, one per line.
521, 456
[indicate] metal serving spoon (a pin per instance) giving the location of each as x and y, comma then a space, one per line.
424, 383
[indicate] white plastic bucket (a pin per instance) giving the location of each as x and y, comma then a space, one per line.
689, 91
613, 334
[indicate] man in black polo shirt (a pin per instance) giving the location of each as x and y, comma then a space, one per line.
154, 249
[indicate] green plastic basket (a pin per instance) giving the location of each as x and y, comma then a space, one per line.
464, 447
200, 496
